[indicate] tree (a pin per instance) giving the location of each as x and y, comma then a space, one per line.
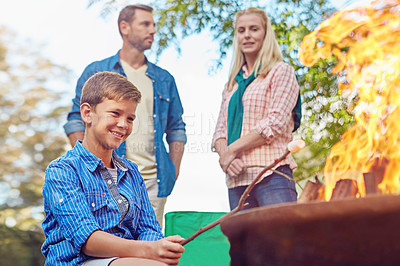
30, 134
30, 137
20, 247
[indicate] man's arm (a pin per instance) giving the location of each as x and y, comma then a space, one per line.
73, 137
74, 128
102, 244
176, 135
176, 149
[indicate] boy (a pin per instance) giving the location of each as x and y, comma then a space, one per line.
96, 204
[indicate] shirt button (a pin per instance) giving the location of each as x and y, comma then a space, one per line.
61, 200
119, 201
109, 182
93, 204
154, 115
158, 180
154, 131
167, 99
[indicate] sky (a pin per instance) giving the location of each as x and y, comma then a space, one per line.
73, 35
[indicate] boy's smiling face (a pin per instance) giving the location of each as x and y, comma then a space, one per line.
108, 124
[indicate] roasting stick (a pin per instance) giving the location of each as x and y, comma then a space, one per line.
275, 171
293, 147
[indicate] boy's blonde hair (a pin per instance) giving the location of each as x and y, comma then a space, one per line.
269, 54
108, 86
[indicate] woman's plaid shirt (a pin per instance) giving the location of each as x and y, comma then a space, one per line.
267, 107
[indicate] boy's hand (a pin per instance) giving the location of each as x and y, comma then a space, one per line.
167, 250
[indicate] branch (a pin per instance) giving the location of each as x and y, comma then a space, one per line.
273, 170
241, 204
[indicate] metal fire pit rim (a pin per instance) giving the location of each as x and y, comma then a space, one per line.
294, 213
351, 231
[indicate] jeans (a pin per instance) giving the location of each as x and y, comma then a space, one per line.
273, 189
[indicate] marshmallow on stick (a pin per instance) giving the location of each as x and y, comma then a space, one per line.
296, 145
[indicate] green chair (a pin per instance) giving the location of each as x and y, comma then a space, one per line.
211, 248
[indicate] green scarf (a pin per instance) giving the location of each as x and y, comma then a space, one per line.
235, 108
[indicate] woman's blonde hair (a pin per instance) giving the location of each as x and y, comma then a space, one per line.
269, 54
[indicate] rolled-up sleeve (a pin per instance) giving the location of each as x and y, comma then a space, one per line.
176, 135
73, 126
283, 97
176, 128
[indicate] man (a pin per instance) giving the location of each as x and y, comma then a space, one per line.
96, 203
159, 113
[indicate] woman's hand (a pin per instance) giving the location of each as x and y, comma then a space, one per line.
226, 157
236, 168
230, 164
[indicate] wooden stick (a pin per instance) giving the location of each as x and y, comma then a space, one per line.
374, 177
370, 183
273, 170
344, 188
312, 191
241, 204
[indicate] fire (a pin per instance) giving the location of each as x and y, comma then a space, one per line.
366, 42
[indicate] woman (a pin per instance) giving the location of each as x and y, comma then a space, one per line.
255, 122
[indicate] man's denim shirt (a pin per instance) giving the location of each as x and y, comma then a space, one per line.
167, 116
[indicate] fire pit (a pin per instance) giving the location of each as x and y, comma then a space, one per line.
349, 231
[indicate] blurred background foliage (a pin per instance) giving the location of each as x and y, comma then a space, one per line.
31, 115
32, 111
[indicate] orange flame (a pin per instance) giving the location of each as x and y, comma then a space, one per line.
366, 42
